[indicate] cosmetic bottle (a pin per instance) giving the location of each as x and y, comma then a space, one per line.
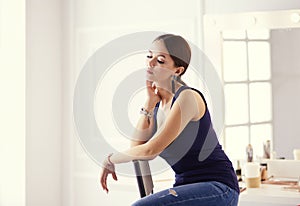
238, 171
249, 153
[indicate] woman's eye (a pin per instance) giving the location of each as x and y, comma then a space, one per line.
161, 62
158, 60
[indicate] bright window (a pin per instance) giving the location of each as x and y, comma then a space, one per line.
247, 88
236, 112
234, 53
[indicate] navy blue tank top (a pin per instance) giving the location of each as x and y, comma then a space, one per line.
196, 155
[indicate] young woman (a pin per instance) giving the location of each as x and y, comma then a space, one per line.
175, 124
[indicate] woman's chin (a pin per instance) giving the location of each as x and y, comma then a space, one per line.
150, 77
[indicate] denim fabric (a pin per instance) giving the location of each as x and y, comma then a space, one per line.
195, 194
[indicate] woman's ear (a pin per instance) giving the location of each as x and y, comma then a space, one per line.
179, 70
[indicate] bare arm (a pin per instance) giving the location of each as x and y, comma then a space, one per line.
145, 125
187, 107
141, 135
143, 131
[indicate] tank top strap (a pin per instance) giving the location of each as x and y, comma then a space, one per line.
182, 88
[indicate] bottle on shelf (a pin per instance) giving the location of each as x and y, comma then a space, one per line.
238, 171
249, 153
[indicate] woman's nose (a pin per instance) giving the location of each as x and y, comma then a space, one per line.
151, 63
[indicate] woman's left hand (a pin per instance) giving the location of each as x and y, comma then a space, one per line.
107, 169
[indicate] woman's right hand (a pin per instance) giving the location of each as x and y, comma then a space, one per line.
107, 169
153, 96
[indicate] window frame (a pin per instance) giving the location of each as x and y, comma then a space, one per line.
246, 82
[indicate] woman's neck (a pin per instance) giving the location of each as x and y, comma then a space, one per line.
167, 95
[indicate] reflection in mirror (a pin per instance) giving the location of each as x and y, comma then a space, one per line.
259, 64
247, 88
286, 89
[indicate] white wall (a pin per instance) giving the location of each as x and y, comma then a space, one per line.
51, 144
12, 101
52, 176
87, 25
237, 6
43, 102
67, 50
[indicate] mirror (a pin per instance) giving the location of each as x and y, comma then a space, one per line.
250, 52
286, 90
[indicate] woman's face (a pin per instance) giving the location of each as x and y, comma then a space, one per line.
160, 65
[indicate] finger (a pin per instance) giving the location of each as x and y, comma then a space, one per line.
103, 180
105, 189
114, 176
149, 83
103, 183
153, 84
104, 186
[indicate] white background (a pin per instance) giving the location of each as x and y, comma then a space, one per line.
39, 162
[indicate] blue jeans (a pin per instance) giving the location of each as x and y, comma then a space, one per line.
195, 194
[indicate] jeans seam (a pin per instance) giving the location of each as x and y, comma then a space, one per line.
233, 199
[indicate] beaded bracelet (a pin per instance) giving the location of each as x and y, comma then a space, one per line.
145, 112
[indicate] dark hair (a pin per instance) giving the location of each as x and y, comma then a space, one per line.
178, 49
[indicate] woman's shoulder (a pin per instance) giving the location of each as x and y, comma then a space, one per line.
193, 98
190, 92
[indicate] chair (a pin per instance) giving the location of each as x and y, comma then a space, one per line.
144, 177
